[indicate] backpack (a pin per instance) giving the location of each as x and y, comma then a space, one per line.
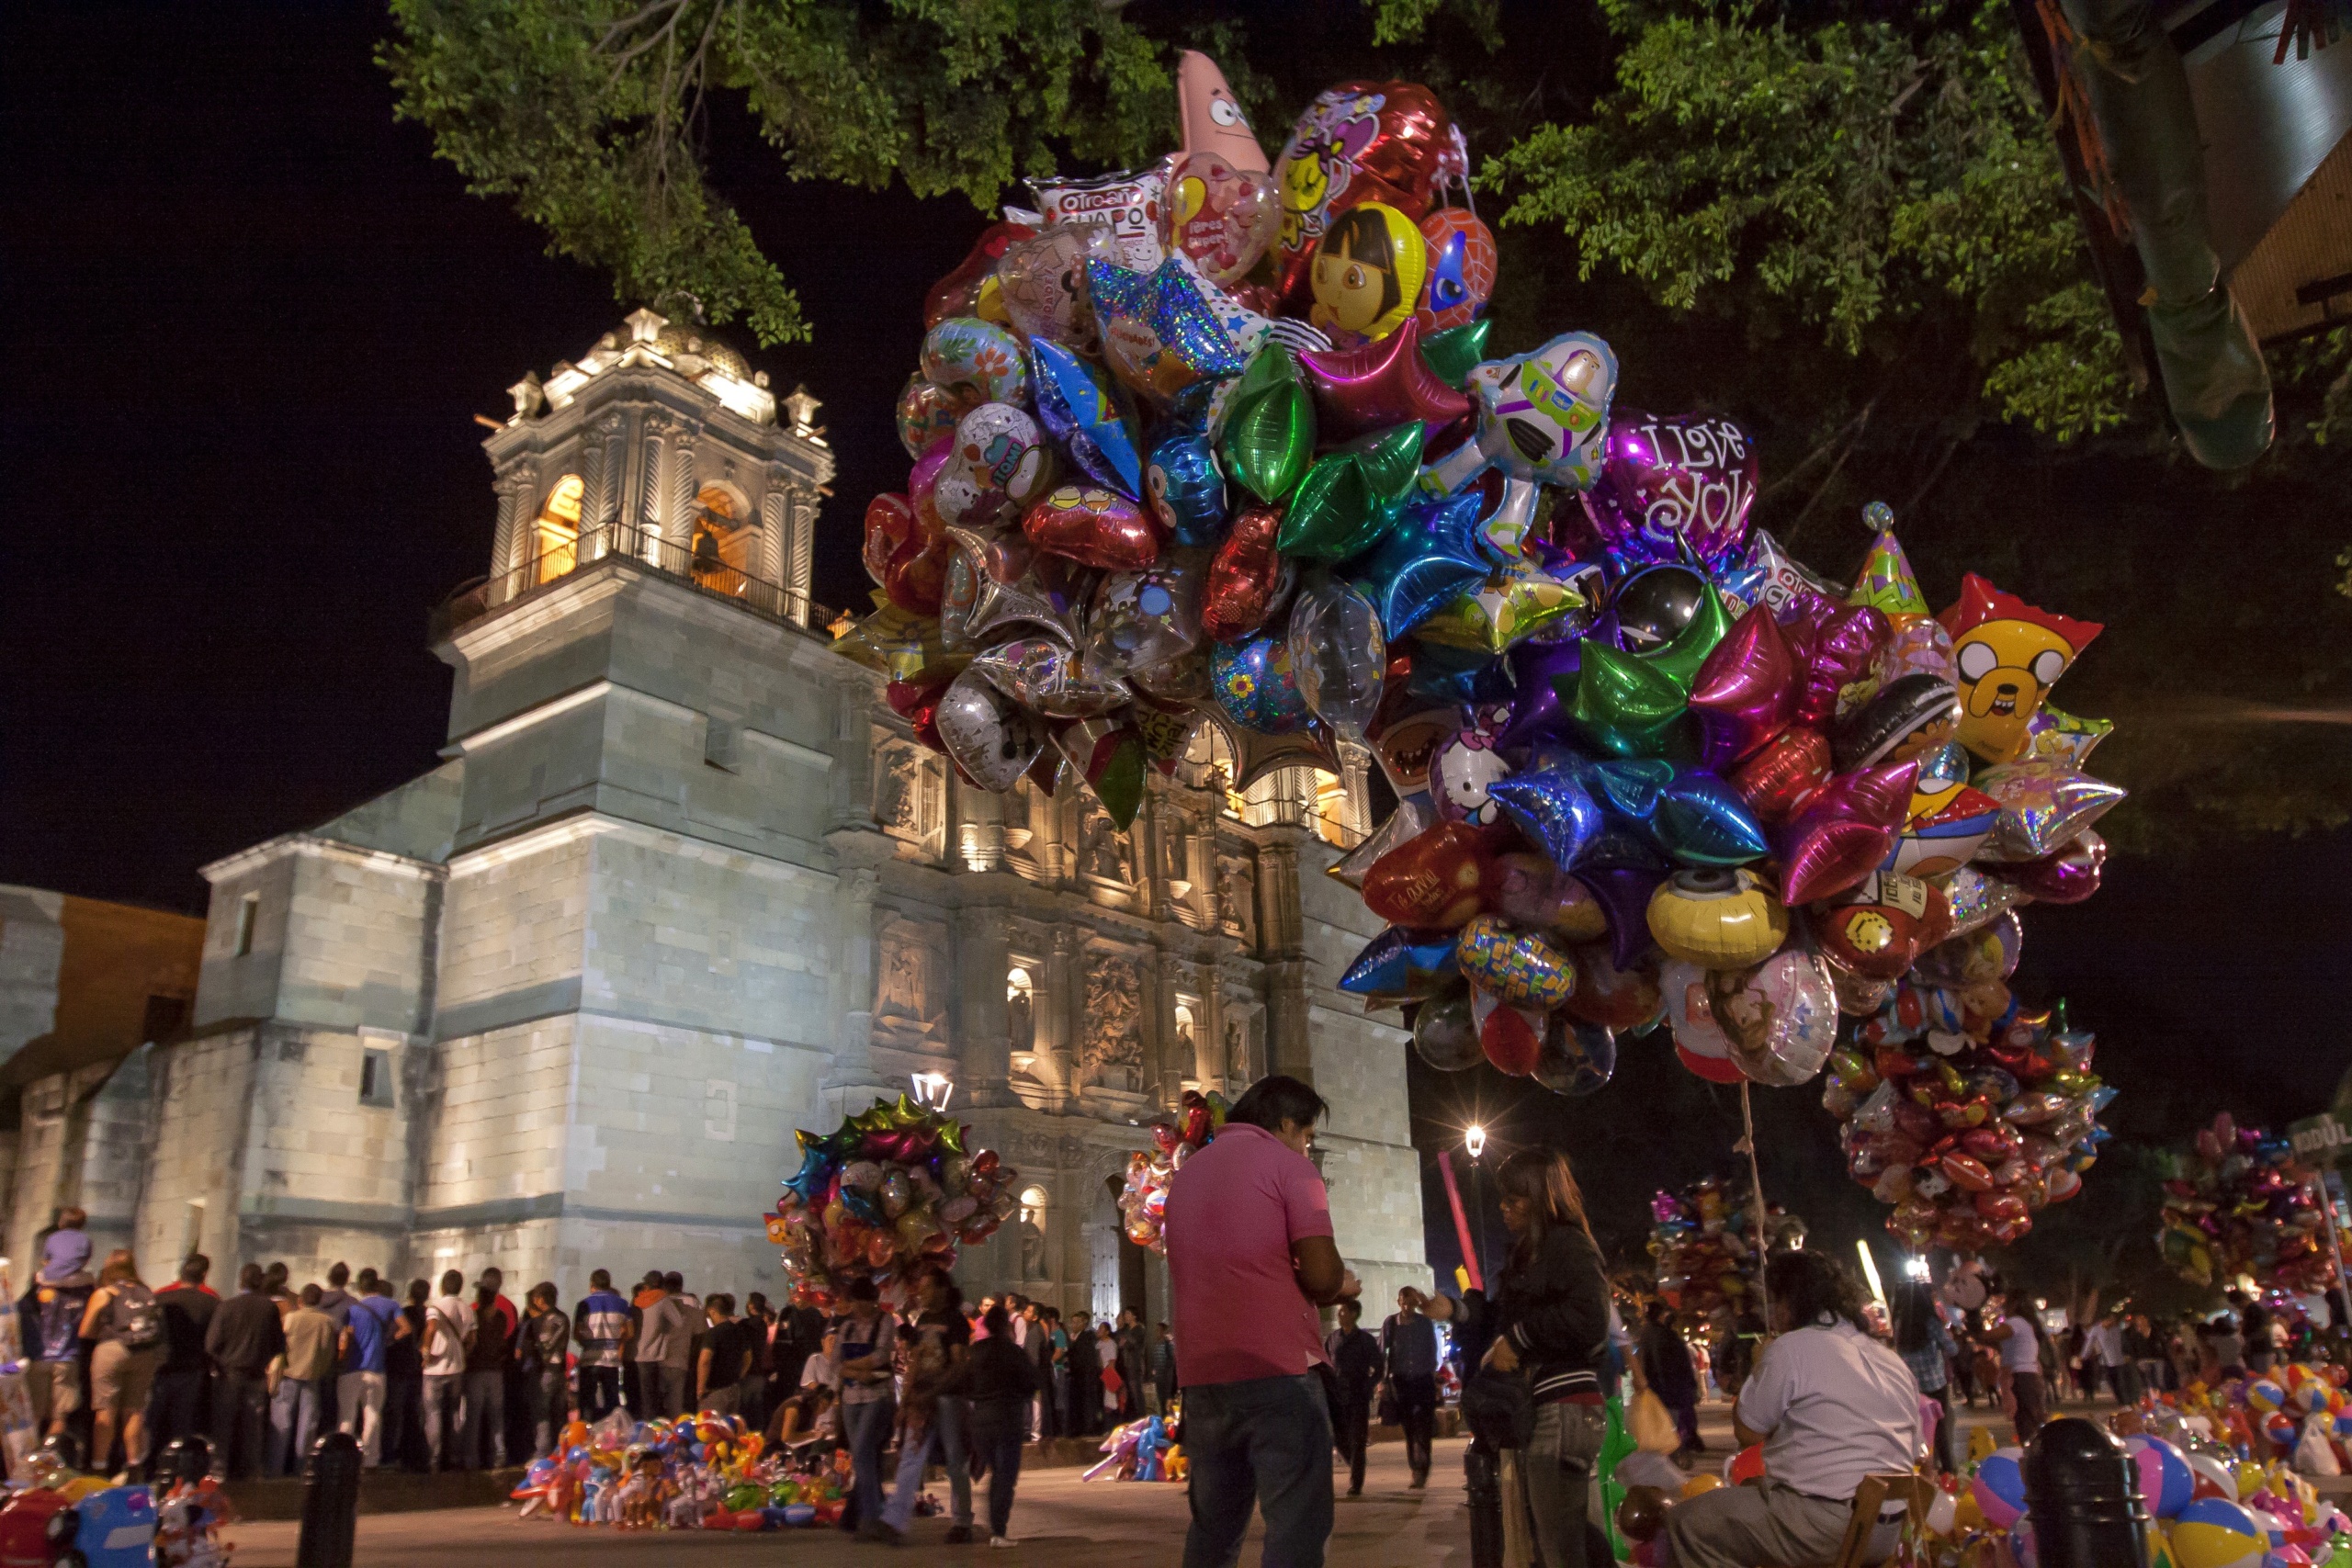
136, 1317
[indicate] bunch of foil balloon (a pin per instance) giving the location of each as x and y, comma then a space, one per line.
2237, 1202
1143, 1200
1708, 1253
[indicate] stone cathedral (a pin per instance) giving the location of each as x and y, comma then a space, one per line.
681, 884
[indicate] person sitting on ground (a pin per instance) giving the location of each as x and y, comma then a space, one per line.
1831, 1407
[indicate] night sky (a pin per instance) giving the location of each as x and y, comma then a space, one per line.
250, 321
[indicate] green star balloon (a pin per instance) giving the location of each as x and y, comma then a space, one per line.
1623, 704
1455, 352
1687, 650
1352, 497
1120, 785
1269, 425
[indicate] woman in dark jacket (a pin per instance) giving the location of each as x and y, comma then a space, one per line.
1549, 1318
1001, 1380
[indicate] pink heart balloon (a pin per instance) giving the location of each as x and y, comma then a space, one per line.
1666, 482
1746, 691
1844, 830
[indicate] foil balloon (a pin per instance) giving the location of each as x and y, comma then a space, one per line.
1948, 821
927, 413
996, 582
1186, 488
1401, 964
986, 733
902, 554
1108, 753
1877, 927
1434, 882
1427, 561
1655, 606
1248, 578
2067, 875
1455, 351
1213, 118
1839, 643
1405, 738
1538, 671
1409, 821
1351, 498
1366, 274
997, 464
2053, 736
1142, 621
1391, 142
1619, 997
1522, 599
1911, 716
1093, 527
1552, 807
1621, 705
1511, 1035
1047, 675
1668, 485
963, 291
2008, 654
1126, 204
1778, 776
1219, 215
1085, 414
1464, 767
1170, 329
1682, 653
1521, 968
1445, 1034
1378, 385
1844, 831
1773, 1023
2043, 807
965, 352
1973, 900
1577, 1058
1886, 581
1462, 266
1532, 891
1717, 918
1744, 692
1042, 281
1338, 654
1543, 416
1256, 685
1701, 820
1268, 435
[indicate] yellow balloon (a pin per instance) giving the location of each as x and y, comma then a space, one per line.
1700, 1484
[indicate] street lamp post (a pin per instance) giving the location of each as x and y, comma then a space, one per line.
1474, 1144
932, 1090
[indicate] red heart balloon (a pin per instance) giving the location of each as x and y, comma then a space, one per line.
1436, 880
1093, 527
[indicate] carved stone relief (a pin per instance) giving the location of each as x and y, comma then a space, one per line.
1103, 851
910, 986
1111, 1046
910, 795
1238, 892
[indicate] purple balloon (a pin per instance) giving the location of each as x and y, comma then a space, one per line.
1624, 894
1536, 715
1668, 483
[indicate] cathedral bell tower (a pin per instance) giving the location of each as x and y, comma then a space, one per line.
660, 443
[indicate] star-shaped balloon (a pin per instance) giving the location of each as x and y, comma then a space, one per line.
1379, 384
1623, 704
1521, 600
1080, 409
1401, 964
1744, 690
996, 584
1630, 787
1623, 892
1844, 831
1268, 435
1171, 327
1682, 654
1352, 497
1429, 559
1553, 806
1452, 354
817, 1168
1700, 821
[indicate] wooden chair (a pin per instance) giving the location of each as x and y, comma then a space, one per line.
1914, 1492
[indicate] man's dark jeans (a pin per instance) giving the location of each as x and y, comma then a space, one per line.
996, 1439
1351, 1433
240, 1423
600, 1392
1265, 1441
1416, 1412
176, 1407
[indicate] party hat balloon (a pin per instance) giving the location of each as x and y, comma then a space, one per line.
1885, 582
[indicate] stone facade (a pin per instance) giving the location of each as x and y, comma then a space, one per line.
683, 884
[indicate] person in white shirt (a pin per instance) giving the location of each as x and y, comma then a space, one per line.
2014, 1335
1831, 1406
448, 1331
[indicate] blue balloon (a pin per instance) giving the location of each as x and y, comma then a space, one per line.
1401, 963
1631, 787
861, 1203
815, 1174
1701, 820
1553, 807
1186, 488
1427, 560
1084, 410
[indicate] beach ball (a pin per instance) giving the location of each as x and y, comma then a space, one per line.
2166, 1483
2279, 1429
2210, 1533
1746, 1466
2251, 1478
1999, 1487
2265, 1395
2344, 1423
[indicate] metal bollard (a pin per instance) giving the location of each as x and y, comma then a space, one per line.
1482, 1479
2084, 1498
330, 1504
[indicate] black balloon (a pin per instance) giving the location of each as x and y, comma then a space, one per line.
1909, 714
1656, 602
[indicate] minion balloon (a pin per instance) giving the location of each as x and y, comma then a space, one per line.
2007, 655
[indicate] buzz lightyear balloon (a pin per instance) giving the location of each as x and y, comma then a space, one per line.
1542, 416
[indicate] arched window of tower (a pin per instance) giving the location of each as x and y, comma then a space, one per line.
559, 529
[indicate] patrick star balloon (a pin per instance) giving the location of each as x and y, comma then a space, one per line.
1213, 119
1221, 209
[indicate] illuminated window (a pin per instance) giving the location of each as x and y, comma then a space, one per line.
558, 530
721, 552
1331, 820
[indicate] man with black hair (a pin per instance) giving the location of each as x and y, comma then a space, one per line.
1831, 1406
1251, 1257
178, 1401
1356, 1356
243, 1338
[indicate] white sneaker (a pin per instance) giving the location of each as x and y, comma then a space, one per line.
1002, 1540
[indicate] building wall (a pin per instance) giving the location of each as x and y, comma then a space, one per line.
201, 1091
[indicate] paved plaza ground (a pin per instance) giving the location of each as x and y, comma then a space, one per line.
1061, 1521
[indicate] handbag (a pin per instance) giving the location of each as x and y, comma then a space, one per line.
1652, 1424
1499, 1408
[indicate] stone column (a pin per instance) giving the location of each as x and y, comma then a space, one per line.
852, 992
1355, 772
1283, 940
510, 488
652, 505
1061, 1007
984, 1047
801, 552
980, 828
855, 691
769, 563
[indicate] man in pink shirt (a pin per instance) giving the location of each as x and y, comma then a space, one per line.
1249, 1258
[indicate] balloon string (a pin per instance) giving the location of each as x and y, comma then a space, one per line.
1755, 1196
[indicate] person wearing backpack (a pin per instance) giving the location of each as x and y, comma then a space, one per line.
127, 1324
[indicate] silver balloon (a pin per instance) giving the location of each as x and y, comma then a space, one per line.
1577, 1058
986, 733
1339, 654
1143, 622
1446, 1035
1047, 674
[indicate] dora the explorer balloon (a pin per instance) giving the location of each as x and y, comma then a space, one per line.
2007, 655
1367, 274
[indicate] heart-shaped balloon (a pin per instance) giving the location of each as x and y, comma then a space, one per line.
1093, 527
1434, 882
1249, 580
1669, 485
